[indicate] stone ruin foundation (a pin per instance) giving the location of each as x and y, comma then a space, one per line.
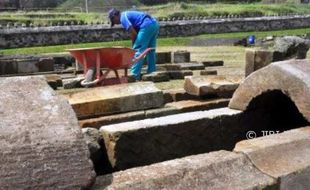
213, 134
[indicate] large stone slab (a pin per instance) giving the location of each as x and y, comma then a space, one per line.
291, 77
148, 141
116, 99
283, 156
222, 86
216, 170
41, 144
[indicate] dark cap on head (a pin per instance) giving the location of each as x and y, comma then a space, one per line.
113, 12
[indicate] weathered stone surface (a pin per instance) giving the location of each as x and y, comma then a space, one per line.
54, 80
192, 66
292, 46
95, 145
158, 76
257, 59
181, 56
249, 61
111, 119
163, 57
198, 105
216, 170
42, 146
211, 85
291, 77
179, 94
170, 67
208, 72
116, 99
179, 74
283, 156
27, 66
213, 63
169, 109
46, 64
41, 36
8, 67
148, 141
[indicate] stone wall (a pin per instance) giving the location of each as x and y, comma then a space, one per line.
52, 35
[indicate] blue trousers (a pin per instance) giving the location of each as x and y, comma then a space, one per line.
146, 38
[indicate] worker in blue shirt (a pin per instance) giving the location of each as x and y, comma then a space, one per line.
144, 31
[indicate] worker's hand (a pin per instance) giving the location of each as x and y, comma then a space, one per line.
133, 33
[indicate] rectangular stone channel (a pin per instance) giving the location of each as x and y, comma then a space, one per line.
143, 142
169, 109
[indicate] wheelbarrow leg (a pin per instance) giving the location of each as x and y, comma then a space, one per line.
98, 63
84, 63
126, 72
116, 73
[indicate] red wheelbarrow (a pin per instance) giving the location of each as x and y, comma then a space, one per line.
111, 59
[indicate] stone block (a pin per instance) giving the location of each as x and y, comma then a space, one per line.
284, 156
116, 99
213, 63
249, 61
208, 72
179, 94
262, 59
198, 105
181, 57
158, 76
111, 119
46, 64
179, 74
192, 66
211, 85
169, 67
54, 80
143, 142
27, 66
257, 59
163, 57
8, 67
95, 143
216, 170
291, 77
42, 146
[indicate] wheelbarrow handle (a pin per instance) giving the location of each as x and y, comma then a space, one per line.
142, 55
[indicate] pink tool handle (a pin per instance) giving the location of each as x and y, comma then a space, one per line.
134, 60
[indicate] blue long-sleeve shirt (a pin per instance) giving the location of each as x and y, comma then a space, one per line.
136, 19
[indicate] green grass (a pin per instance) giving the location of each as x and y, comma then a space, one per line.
179, 41
45, 17
191, 9
68, 12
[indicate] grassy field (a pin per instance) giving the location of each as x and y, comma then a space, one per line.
162, 42
69, 13
183, 9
